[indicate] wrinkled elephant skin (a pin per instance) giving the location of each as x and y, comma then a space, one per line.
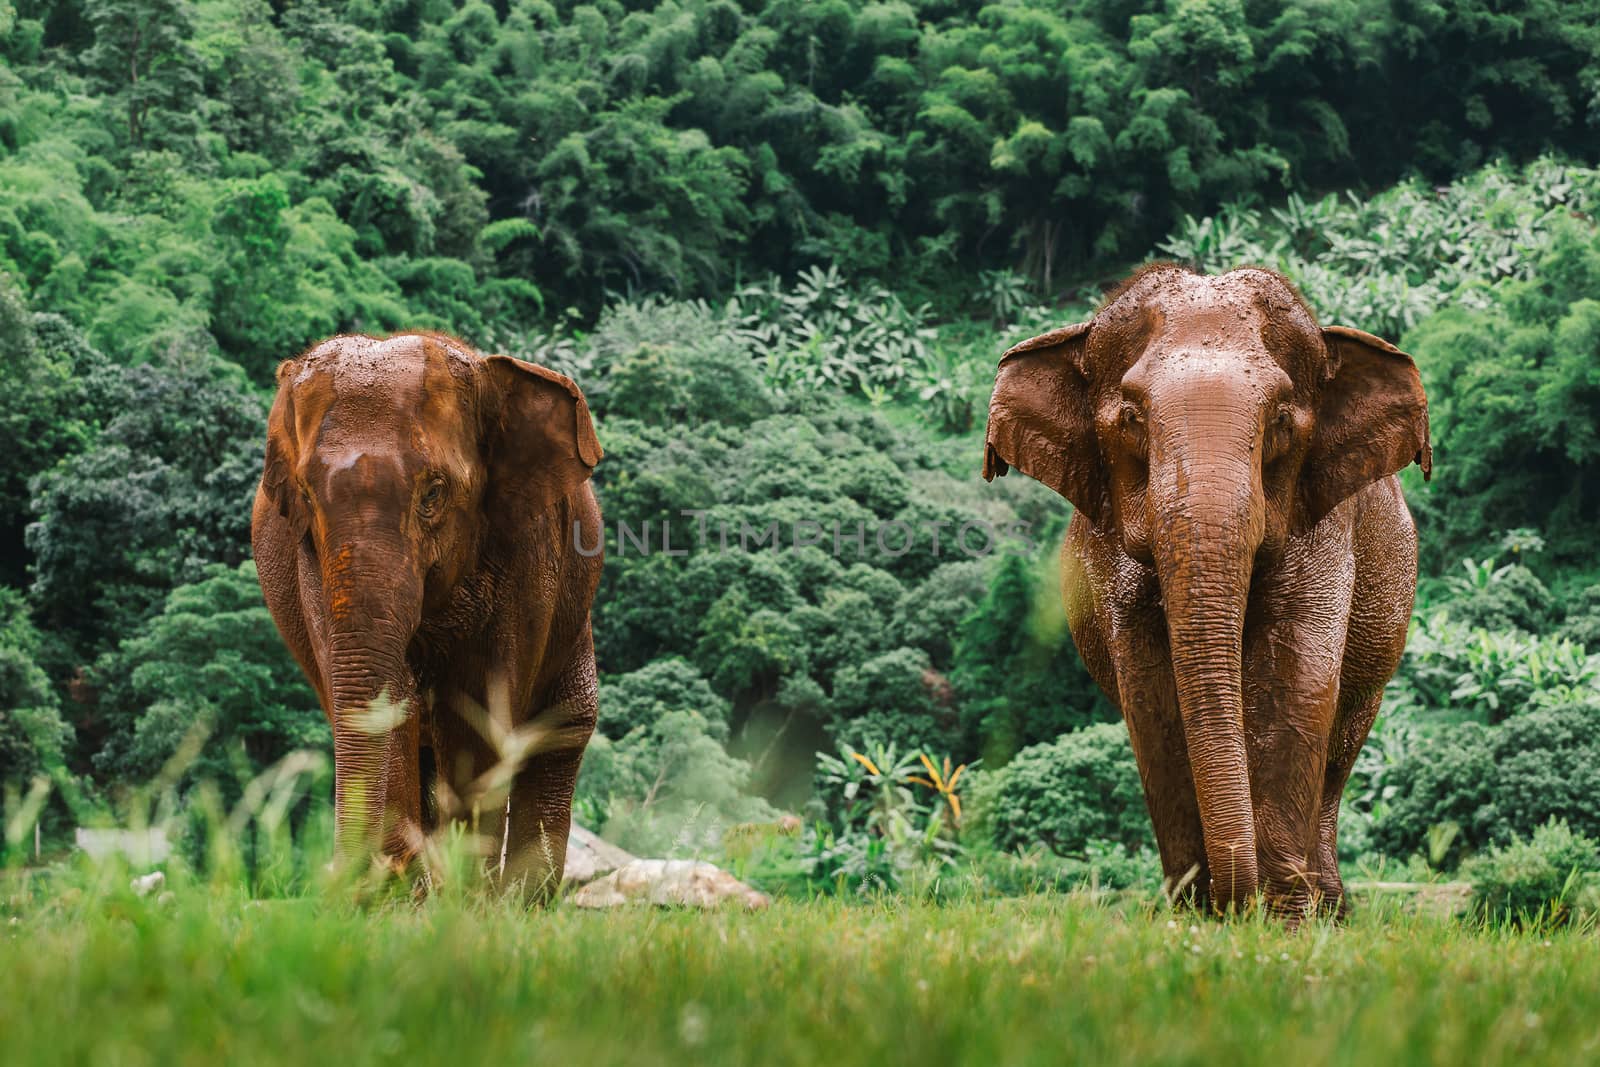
1240, 569
417, 533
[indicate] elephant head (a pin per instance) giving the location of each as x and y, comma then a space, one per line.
1202, 422
395, 463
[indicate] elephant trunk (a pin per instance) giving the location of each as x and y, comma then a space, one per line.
374, 607
1205, 550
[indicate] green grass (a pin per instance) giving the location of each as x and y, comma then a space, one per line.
207, 977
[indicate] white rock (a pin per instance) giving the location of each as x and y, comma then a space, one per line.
671, 883
588, 857
146, 884
138, 847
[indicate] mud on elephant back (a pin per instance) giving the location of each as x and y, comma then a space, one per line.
416, 534
1240, 570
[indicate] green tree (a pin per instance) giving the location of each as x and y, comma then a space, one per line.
47, 410
165, 489
1491, 783
210, 660
34, 736
894, 698
1017, 675
1516, 399
143, 57
1081, 787
251, 92
639, 698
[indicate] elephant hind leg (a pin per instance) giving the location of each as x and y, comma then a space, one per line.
540, 815
1331, 901
1355, 720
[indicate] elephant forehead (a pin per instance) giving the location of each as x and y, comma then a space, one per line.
403, 397
1246, 318
365, 361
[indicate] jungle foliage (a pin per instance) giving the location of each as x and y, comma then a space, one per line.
779, 244
261, 174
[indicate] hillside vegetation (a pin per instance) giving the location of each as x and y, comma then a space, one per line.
780, 245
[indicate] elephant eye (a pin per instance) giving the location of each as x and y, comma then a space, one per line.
432, 497
1132, 421
1284, 418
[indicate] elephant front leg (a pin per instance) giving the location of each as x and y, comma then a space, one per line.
1287, 752
1149, 704
540, 815
1122, 636
1293, 646
1148, 697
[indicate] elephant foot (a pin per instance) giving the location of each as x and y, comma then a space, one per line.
1331, 901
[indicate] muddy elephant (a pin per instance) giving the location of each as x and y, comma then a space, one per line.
1239, 571
420, 531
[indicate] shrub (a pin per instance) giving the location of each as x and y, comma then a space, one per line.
1582, 624
668, 786
1494, 782
642, 697
895, 697
1490, 675
34, 737
881, 818
1510, 597
1535, 881
1080, 787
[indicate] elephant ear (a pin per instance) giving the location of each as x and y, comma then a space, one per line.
540, 440
1041, 420
1371, 421
277, 471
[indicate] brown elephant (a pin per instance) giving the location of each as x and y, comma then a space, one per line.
419, 531
1240, 569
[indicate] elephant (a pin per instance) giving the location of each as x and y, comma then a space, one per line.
1239, 570
419, 531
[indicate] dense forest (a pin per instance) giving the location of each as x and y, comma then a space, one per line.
780, 245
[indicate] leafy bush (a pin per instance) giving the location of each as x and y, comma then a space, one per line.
210, 661
641, 698
662, 361
1389, 262
1489, 675
34, 737
883, 819
667, 787
1509, 597
1582, 622
1081, 787
1492, 783
820, 332
1535, 881
894, 697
